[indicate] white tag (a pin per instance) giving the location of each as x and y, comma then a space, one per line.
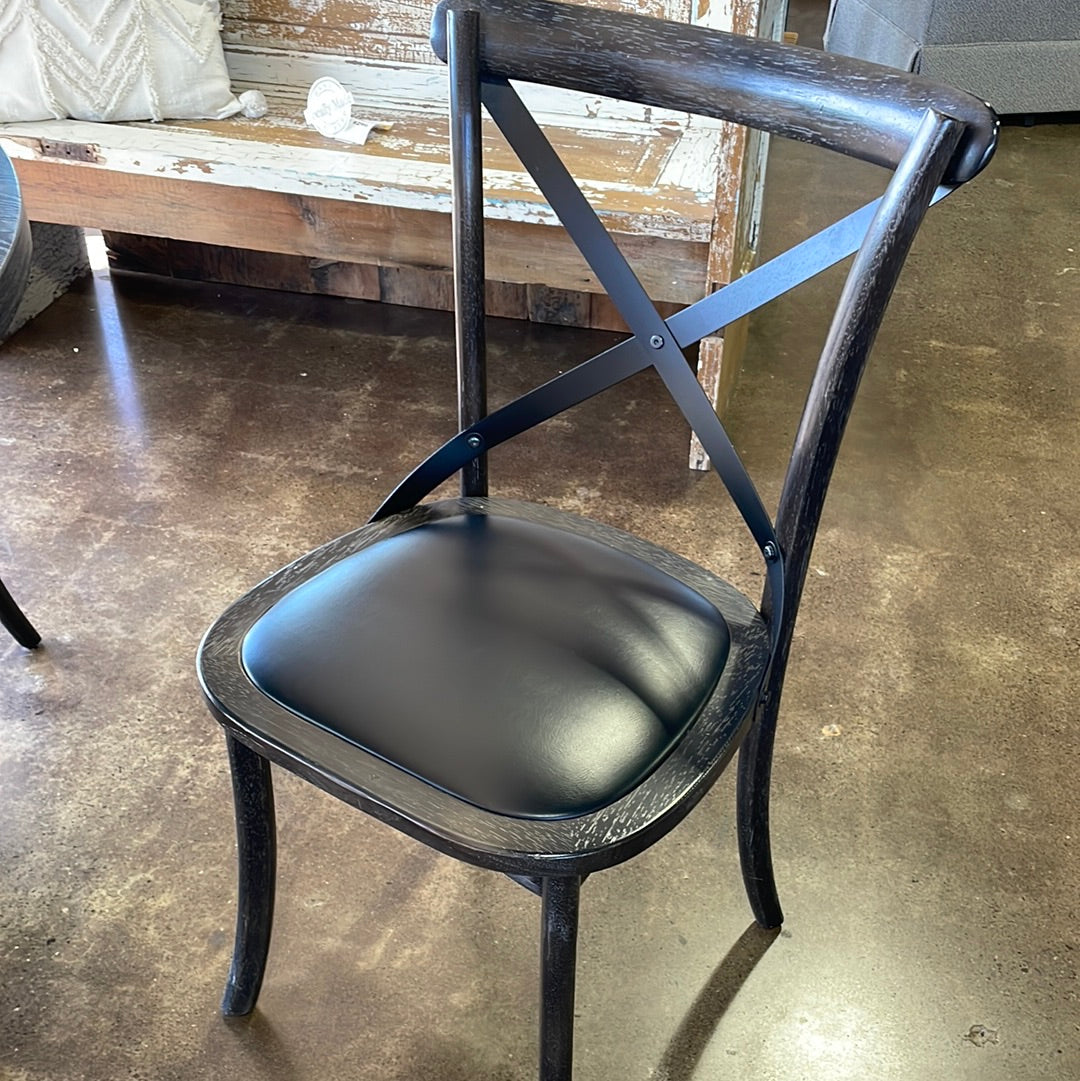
329, 112
329, 107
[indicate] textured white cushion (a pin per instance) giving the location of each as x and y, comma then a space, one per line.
112, 60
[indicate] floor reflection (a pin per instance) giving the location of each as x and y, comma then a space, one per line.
129, 412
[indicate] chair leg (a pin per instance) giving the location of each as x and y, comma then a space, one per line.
558, 961
253, 796
12, 617
752, 815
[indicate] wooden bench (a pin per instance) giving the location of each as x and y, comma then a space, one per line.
271, 202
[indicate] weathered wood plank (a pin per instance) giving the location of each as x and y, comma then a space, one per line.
506, 300
356, 232
57, 260
719, 360
408, 168
372, 29
416, 288
563, 307
390, 87
298, 273
148, 254
241, 266
680, 195
603, 315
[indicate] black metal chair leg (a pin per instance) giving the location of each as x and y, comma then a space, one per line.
558, 961
12, 617
253, 795
752, 816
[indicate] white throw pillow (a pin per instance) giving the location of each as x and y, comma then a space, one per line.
112, 60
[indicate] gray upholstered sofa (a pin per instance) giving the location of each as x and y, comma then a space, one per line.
1022, 56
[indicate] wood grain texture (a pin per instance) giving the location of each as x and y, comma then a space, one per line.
626, 166
307, 274
520, 846
394, 30
560, 307
340, 231
849, 106
241, 266
417, 288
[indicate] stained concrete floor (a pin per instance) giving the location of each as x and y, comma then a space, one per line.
168, 444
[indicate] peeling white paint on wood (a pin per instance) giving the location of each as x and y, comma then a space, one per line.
679, 177
388, 30
389, 86
679, 201
693, 163
665, 163
719, 14
408, 181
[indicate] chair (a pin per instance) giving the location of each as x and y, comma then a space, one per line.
619, 679
15, 248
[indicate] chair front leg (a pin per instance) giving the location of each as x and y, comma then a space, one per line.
253, 796
12, 617
558, 961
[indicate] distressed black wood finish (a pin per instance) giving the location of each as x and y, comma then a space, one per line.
558, 963
256, 839
518, 846
847, 105
15, 250
463, 39
858, 316
932, 136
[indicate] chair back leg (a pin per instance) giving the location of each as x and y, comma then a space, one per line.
752, 817
558, 963
256, 839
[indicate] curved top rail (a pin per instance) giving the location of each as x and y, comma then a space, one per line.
856, 108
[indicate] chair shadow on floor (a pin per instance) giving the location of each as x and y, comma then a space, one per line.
688, 1044
262, 1047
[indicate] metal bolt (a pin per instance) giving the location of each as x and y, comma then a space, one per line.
474, 441
769, 551
656, 342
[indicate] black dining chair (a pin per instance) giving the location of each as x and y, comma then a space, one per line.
15, 252
618, 679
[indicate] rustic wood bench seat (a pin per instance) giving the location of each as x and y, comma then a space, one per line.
271, 201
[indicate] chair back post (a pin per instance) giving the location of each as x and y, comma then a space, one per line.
858, 316
463, 44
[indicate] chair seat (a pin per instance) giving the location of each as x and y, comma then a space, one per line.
525, 669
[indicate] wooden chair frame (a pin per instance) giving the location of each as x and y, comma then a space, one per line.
15, 252
932, 137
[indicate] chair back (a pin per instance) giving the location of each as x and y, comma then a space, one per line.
932, 137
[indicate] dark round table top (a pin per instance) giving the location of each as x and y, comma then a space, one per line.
14, 244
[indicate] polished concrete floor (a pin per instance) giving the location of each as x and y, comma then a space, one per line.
168, 444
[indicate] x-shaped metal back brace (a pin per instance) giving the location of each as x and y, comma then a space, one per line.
654, 341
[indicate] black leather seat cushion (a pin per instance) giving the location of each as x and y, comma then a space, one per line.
528, 670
